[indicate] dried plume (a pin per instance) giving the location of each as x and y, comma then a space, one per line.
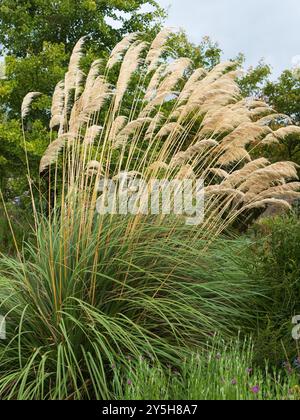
157, 49
91, 134
27, 101
120, 48
58, 102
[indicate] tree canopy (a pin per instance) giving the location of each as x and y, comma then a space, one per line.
26, 24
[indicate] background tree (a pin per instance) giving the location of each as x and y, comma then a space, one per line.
36, 38
26, 25
253, 82
284, 96
207, 54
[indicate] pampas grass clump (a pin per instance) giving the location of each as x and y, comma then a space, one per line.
95, 289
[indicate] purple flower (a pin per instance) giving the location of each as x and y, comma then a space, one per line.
249, 371
255, 389
129, 382
234, 382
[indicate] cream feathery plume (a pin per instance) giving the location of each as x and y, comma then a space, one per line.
267, 202
208, 89
158, 101
93, 74
96, 97
219, 70
172, 127
74, 123
95, 93
219, 172
91, 134
74, 64
117, 125
201, 146
233, 155
154, 123
156, 166
91, 101
58, 102
120, 48
80, 79
269, 140
129, 65
130, 129
186, 172
281, 134
93, 168
278, 191
284, 132
71, 77
154, 82
189, 87
269, 119
260, 111
219, 190
175, 72
262, 179
184, 111
216, 100
254, 103
237, 177
53, 150
157, 48
27, 101
224, 120
244, 134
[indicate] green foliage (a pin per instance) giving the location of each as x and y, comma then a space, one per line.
284, 94
221, 372
78, 303
256, 77
275, 262
207, 54
16, 228
39, 72
26, 25
13, 168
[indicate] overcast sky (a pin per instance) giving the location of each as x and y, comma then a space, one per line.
258, 28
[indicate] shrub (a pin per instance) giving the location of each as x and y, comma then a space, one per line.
15, 227
275, 263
